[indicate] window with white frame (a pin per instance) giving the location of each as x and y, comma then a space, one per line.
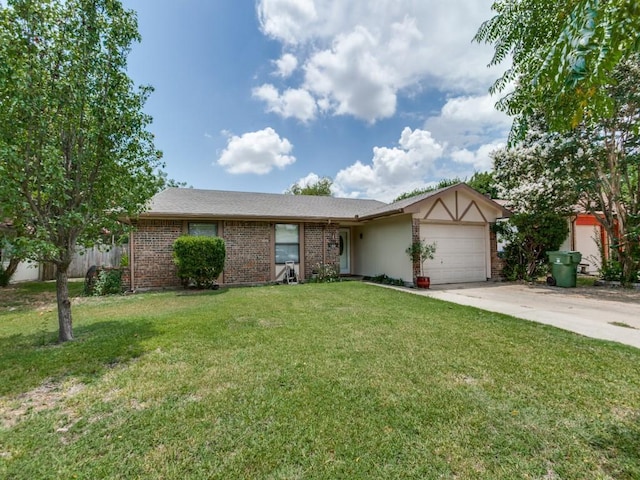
287, 243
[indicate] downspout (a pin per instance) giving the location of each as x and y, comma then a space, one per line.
132, 262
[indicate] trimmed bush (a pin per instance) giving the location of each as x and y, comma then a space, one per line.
200, 260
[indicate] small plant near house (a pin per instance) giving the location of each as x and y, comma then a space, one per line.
325, 272
385, 279
420, 252
199, 259
103, 281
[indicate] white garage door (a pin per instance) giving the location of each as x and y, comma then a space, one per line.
461, 253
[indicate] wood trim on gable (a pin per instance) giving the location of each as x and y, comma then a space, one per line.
439, 200
473, 204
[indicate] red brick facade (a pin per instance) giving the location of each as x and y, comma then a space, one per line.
250, 252
250, 255
496, 262
321, 246
250, 249
151, 254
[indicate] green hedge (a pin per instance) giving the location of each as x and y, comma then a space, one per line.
200, 260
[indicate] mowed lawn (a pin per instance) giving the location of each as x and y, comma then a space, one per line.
315, 381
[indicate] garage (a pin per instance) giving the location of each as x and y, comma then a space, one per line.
461, 252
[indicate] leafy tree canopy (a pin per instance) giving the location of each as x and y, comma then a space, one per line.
75, 152
481, 181
562, 53
322, 187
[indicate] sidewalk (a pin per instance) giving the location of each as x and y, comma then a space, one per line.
594, 317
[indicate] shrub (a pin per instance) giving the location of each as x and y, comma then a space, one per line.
199, 259
386, 280
529, 237
325, 272
103, 281
109, 282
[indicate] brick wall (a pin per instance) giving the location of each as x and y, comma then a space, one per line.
250, 251
250, 254
496, 261
321, 245
153, 253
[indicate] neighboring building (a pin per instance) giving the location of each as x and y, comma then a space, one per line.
363, 237
588, 237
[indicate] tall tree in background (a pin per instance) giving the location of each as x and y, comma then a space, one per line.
320, 188
75, 152
562, 52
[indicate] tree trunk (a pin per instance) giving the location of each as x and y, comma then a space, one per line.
5, 276
65, 332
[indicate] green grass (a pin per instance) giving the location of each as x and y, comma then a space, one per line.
315, 381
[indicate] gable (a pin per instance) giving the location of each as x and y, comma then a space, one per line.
457, 206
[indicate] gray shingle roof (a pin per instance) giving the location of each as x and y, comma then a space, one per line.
189, 202
180, 202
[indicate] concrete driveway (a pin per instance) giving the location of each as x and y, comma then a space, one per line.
593, 312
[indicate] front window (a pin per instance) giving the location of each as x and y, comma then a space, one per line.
203, 229
287, 243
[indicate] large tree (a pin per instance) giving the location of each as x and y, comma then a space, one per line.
75, 152
596, 166
561, 52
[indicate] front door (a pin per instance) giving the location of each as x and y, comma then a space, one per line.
345, 252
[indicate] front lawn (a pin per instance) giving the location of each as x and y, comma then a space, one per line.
316, 381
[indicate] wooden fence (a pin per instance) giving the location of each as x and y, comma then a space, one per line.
85, 258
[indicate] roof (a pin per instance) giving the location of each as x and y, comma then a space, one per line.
174, 202
194, 203
402, 206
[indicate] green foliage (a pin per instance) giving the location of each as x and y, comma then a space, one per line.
420, 252
484, 182
109, 282
75, 152
528, 237
480, 181
199, 259
325, 273
320, 188
594, 165
562, 53
444, 183
385, 279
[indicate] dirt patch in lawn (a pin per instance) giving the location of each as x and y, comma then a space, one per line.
45, 397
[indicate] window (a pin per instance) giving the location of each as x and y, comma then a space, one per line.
287, 243
203, 229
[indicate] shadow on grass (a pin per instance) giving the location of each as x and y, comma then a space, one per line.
26, 361
620, 443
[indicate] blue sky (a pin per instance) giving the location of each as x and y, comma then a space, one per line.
382, 96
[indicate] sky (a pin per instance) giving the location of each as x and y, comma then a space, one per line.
382, 96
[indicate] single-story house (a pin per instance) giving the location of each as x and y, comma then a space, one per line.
363, 237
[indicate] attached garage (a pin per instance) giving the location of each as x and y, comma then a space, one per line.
462, 252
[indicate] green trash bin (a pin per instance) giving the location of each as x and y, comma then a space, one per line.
564, 267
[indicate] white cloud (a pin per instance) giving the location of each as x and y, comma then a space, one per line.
286, 65
480, 159
392, 170
358, 55
256, 152
469, 121
350, 79
296, 103
286, 20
